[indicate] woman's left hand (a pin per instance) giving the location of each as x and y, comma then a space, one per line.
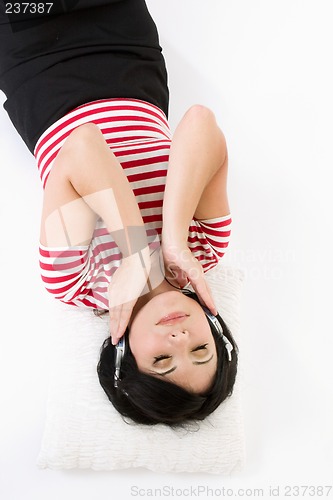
180, 261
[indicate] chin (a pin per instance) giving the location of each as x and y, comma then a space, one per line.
170, 295
160, 302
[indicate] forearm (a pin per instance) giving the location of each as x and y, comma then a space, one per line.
196, 153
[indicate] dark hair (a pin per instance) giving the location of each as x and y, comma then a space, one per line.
146, 399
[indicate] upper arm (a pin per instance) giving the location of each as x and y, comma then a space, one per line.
66, 219
214, 199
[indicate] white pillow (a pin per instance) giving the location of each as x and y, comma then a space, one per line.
83, 430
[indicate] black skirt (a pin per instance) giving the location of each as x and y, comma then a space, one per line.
52, 61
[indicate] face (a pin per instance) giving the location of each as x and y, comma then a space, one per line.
170, 338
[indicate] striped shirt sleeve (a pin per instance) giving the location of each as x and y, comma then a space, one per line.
208, 239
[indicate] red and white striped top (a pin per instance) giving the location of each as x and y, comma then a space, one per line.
139, 135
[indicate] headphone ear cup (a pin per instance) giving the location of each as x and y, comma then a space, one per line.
213, 320
120, 351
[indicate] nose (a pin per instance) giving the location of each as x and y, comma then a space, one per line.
179, 335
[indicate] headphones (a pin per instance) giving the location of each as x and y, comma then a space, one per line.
120, 351
121, 346
218, 327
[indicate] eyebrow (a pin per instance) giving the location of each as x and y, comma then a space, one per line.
193, 362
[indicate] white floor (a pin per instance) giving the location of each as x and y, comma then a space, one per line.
265, 69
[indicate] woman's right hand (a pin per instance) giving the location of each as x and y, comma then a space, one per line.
126, 286
180, 261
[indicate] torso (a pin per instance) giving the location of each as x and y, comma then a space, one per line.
138, 134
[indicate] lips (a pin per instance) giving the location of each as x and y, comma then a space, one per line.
171, 319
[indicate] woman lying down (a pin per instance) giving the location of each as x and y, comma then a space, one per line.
132, 218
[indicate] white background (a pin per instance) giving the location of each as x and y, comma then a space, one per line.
264, 67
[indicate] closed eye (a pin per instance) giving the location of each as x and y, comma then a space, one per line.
160, 358
200, 347
194, 362
166, 356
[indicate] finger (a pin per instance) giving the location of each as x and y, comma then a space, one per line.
180, 276
203, 291
114, 322
115, 318
120, 317
194, 274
